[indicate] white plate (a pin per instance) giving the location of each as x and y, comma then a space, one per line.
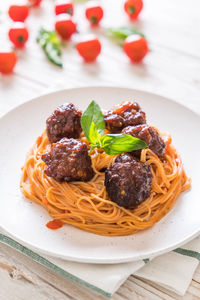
25, 221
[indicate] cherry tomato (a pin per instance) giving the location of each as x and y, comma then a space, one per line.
64, 6
65, 26
94, 12
135, 47
35, 3
133, 8
8, 60
18, 34
18, 13
89, 48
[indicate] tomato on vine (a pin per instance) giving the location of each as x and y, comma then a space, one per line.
65, 26
133, 8
8, 60
136, 47
64, 7
18, 34
89, 48
18, 13
34, 3
94, 12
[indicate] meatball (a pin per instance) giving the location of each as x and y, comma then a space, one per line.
128, 181
68, 160
148, 134
126, 114
127, 157
64, 122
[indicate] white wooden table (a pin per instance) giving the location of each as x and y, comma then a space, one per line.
171, 69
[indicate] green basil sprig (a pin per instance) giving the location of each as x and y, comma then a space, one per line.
93, 125
51, 44
118, 143
119, 34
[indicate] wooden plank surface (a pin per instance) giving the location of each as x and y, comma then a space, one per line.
171, 69
21, 276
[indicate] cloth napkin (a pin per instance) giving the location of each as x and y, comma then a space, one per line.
173, 270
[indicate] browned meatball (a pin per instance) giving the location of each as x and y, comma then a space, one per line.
123, 115
148, 134
128, 181
68, 160
64, 122
127, 157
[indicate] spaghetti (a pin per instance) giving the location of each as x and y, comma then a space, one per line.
86, 204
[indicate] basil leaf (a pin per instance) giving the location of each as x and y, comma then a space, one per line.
54, 39
118, 143
93, 115
48, 36
93, 125
51, 44
119, 34
94, 135
53, 53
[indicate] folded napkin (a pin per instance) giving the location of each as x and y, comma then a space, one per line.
173, 271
